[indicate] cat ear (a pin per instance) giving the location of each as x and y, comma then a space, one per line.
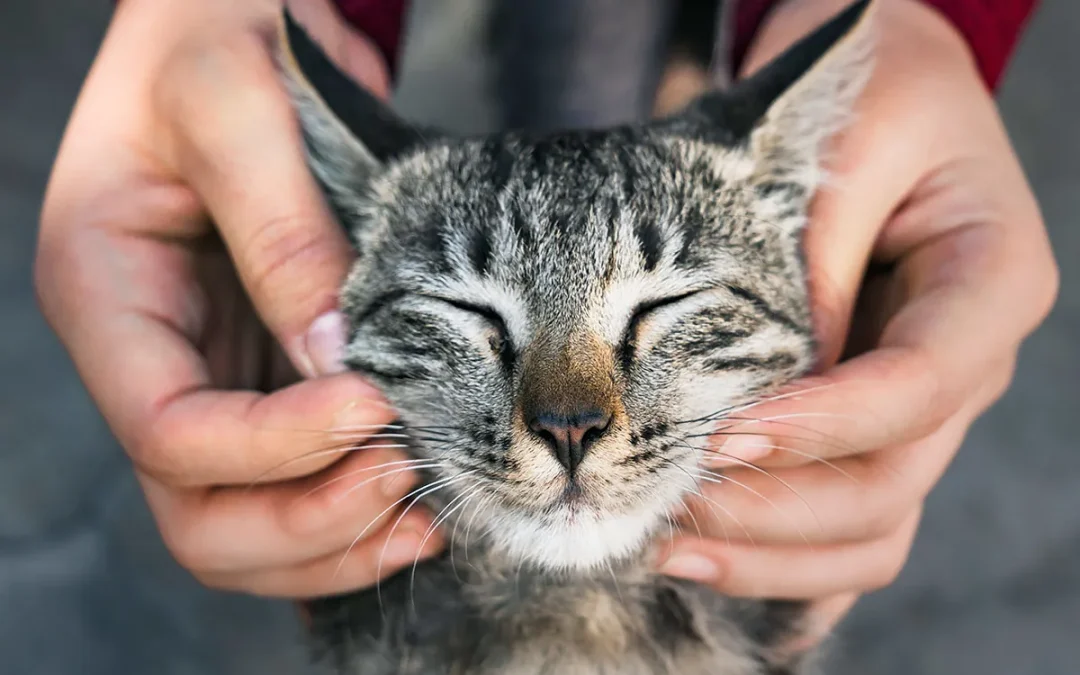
785, 111
349, 133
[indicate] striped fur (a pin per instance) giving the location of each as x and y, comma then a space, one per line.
651, 272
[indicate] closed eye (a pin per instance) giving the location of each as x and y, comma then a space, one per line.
642, 312
500, 341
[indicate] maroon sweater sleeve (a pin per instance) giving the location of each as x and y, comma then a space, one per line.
991, 28
381, 20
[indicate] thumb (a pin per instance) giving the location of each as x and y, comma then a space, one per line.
237, 144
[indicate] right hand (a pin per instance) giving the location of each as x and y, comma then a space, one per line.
182, 240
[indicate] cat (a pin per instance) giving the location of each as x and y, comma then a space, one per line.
557, 317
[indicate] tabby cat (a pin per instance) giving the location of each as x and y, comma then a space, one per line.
558, 318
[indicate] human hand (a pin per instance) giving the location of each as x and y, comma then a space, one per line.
182, 122
824, 489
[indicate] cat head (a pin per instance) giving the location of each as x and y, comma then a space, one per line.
558, 319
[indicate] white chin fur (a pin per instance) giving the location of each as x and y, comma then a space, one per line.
575, 540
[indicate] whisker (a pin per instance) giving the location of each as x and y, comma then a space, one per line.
376, 401
697, 491
765, 472
468, 527
405, 431
723, 432
731, 515
453, 538
671, 531
435, 486
412, 465
828, 440
721, 479
783, 448
342, 449
420, 490
615, 579
336, 449
747, 406
440, 518
690, 512
788, 416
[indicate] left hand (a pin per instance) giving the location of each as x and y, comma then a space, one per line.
927, 188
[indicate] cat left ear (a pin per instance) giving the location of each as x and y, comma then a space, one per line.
785, 111
350, 134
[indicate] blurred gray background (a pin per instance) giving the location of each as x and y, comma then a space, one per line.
993, 586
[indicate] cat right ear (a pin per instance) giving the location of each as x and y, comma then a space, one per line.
349, 133
783, 114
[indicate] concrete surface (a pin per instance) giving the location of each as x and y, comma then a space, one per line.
993, 586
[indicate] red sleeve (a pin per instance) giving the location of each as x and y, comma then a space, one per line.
381, 20
991, 28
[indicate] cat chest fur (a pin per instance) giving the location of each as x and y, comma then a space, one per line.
490, 618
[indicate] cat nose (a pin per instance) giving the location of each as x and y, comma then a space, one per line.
570, 436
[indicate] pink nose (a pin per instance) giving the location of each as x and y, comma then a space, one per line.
570, 436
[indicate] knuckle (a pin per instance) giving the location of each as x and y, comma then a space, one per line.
318, 510
182, 540
46, 268
999, 385
882, 513
938, 401
274, 248
1049, 289
59, 271
1041, 275
884, 500
151, 452
886, 574
148, 453
925, 370
893, 551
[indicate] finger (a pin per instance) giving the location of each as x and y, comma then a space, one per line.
361, 566
850, 500
792, 573
237, 144
131, 336
821, 618
274, 525
209, 437
884, 398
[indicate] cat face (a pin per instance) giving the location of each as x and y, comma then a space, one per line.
559, 319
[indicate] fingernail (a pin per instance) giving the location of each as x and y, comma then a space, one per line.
691, 566
741, 449
324, 345
364, 415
